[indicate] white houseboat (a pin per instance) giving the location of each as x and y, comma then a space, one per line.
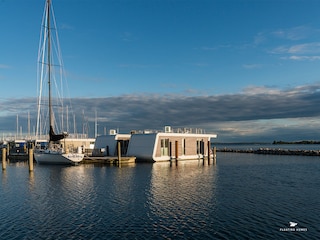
157, 146
165, 146
106, 145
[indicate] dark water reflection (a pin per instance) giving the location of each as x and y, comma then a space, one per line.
242, 197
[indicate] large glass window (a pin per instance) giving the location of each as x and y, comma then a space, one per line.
164, 147
200, 147
184, 146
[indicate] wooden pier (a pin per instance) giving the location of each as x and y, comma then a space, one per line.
108, 160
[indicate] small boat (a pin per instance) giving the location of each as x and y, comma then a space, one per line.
18, 150
55, 152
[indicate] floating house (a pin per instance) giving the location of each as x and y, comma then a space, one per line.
170, 146
106, 145
157, 146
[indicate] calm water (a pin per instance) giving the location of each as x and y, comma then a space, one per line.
268, 145
243, 196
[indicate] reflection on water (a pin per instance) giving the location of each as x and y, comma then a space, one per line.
242, 196
31, 181
182, 196
187, 183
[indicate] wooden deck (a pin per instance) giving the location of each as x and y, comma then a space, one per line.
108, 160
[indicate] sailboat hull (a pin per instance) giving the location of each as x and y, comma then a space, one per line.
58, 158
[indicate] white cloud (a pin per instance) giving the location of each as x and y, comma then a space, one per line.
206, 48
66, 27
302, 58
138, 66
295, 33
4, 66
280, 50
289, 129
254, 90
260, 38
128, 37
251, 66
299, 52
307, 48
259, 112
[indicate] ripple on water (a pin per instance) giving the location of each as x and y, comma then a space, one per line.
239, 198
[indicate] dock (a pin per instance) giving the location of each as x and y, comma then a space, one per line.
108, 160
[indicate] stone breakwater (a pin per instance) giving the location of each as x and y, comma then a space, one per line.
273, 151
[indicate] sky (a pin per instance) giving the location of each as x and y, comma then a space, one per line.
247, 70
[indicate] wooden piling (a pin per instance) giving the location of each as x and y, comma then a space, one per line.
31, 160
119, 153
4, 158
176, 150
214, 155
209, 148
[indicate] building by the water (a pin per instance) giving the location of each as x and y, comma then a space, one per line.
182, 144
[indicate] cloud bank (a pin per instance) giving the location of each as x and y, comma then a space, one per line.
255, 114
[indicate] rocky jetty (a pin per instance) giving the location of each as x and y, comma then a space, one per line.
273, 151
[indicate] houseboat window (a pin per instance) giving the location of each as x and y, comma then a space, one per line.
200, 147
184, 146
164, 147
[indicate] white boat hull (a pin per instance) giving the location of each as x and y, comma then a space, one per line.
58, 158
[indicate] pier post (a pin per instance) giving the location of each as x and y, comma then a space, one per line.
176, 150
214, 155
119, 153
209, 148
31, 159
4, 158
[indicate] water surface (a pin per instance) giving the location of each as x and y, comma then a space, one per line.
243, 196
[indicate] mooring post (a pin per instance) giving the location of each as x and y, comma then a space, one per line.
4, 158
119, 153
209, 148
214, 155
31, 159
176, 150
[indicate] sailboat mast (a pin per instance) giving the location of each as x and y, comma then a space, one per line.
49, 63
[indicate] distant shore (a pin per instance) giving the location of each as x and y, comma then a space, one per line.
272, 151
297, 142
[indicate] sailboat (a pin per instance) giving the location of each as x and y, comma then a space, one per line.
56, 152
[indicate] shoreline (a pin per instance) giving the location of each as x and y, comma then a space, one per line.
273, 151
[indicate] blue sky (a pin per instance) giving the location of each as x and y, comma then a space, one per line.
167, 51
